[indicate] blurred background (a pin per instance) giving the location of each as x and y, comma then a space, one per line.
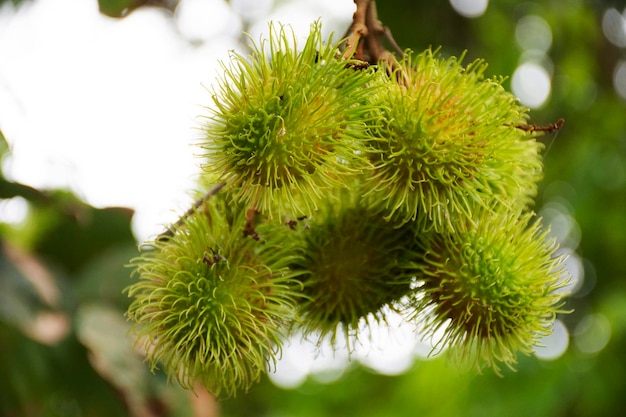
100, 104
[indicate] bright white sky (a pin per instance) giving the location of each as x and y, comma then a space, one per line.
109, 109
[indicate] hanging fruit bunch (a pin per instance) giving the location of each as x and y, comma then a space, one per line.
348, 181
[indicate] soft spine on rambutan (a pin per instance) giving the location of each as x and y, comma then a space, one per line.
352, 263
490, 290
443, 143
287, 123
211, 304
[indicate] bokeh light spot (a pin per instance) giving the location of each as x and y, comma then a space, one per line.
562, 225
614, 27
619, 79
13, 210
573, 270
250, 10
590, 279
592, 333
554, 345
470, 8
531, 84
533, 33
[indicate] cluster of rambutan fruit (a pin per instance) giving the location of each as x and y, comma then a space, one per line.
343, 191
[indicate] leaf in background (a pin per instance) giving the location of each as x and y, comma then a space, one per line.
42, 380
105, 276
4, 145
103, 330
71, 233
121, 8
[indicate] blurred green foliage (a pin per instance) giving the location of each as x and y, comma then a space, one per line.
66, 261
121, 8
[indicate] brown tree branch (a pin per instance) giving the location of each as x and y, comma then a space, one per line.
364, 40
357, 30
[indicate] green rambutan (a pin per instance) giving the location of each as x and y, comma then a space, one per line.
444, 142
210, 304
286, 123
352, 263
491, 288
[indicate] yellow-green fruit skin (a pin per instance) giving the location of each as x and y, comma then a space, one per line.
352, 264
211, 305
444, 143
489, 291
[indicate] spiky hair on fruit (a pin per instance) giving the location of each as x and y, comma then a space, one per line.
286, 122
352, 263
210, 304
490, 290
444, 142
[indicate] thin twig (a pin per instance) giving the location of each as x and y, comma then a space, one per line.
249, 228
392, 41
171, 229
552, 127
